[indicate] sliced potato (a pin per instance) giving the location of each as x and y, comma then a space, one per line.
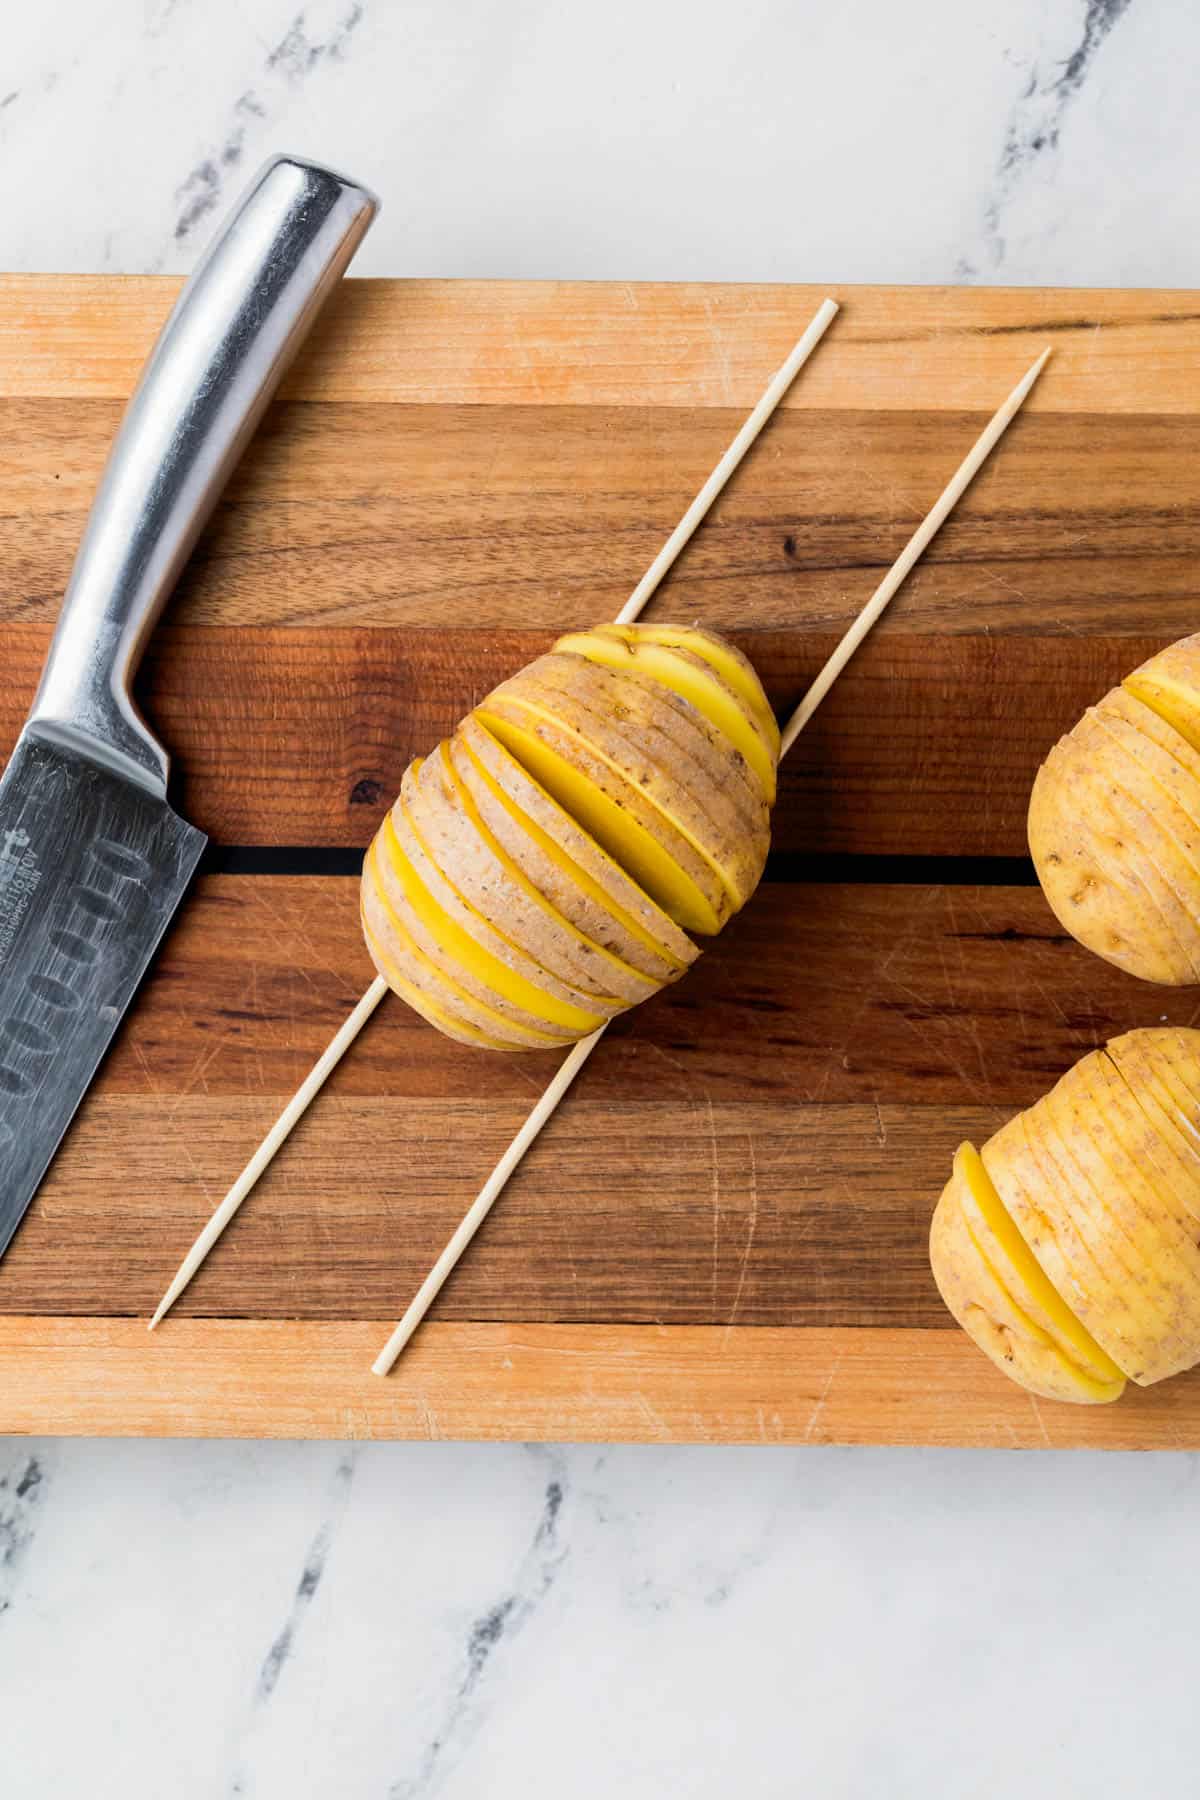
446, 1020
995, 1231
736, 670
586, 868
997, 1291
1124, 1238
635, 833
1139, 1195
694, 680
463, 946
401, 953
672, 762
496, 886
1049, 1202
672, 752
1177, 1153
537, 875
1167, 759
1097, 860
1169, 684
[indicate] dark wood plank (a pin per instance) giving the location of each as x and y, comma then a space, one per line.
762, 1144
300, 736
492, 518
850, 994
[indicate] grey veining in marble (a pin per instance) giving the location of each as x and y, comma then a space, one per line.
503, 1622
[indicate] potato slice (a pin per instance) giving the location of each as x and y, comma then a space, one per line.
678, 765
1141, 1194
496, 887
736, 670
565, 884
589, 874
692, 679
1142, 817
995, 1231
1120, 1229
1176, 1161
394, 939
1034, 1178
995, 1288
1101, 1180
667, 748
1172, 1075
1157, 747
1169, 684
462, 945
635, 833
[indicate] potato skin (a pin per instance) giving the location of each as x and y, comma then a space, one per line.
1100, 1179
1114, 822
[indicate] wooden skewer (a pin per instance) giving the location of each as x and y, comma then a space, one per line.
919, 541
296, 1107
915, 548
776, 388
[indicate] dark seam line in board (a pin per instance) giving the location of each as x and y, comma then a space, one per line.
648, 1320
782, 866
1021, 327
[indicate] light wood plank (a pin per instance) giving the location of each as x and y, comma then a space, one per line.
631, 1384
643, 343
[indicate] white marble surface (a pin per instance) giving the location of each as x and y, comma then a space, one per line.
383, 1622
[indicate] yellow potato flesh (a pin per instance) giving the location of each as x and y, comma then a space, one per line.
981, 1291
421, 1002
626, 840
462, 949
1035, 1178
583, 863
1023, 1277
406, 966
695, 681
571, 885
595, 961
669, 755
733, 668
1169, 684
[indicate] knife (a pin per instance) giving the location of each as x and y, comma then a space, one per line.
93, 860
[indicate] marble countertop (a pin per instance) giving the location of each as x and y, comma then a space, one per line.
381, 1622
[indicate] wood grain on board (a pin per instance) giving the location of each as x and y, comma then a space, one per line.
652, 1384
927, 745
604, 343
762, 1143
722, 1234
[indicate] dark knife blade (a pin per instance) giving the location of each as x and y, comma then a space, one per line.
92, 867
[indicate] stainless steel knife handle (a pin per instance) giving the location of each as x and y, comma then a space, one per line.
233, 331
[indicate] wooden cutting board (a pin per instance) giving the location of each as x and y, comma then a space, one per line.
721, 1237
